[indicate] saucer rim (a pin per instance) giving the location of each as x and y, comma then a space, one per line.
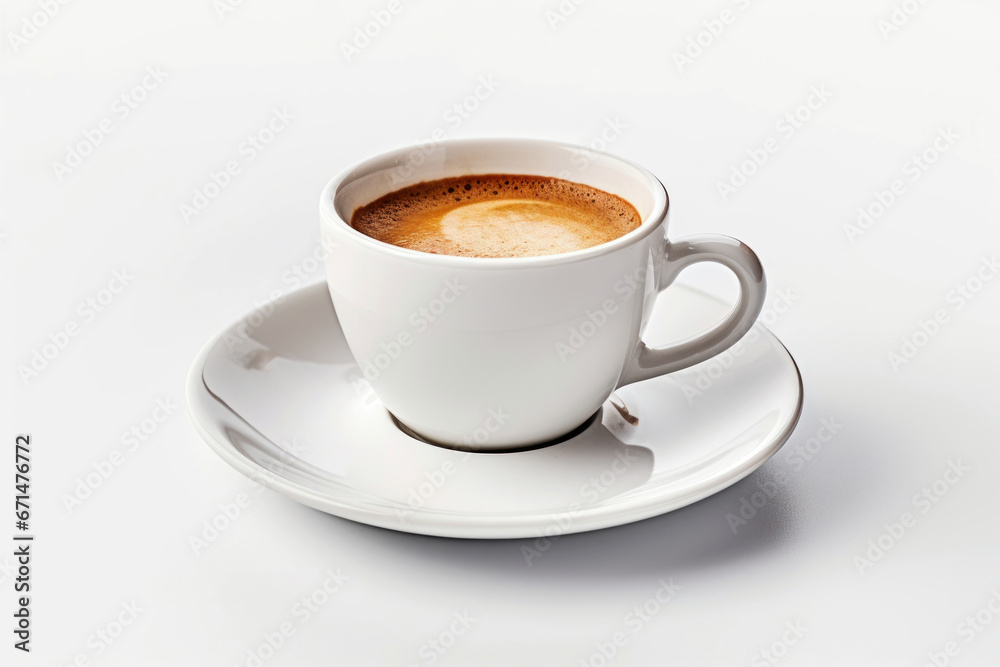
469, 526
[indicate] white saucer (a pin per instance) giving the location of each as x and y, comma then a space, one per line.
279, 397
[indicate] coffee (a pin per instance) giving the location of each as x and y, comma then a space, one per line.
497, 215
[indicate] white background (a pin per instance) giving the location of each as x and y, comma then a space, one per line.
854, 302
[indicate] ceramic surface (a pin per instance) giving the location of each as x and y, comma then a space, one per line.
447, 342
281, 399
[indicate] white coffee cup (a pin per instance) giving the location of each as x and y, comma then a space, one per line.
503, 353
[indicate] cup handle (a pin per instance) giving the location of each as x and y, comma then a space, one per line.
647, 362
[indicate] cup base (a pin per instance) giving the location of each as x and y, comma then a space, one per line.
507, 450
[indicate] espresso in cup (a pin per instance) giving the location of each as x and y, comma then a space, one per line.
497, 215
501, 354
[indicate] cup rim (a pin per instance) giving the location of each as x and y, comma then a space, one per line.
649, 224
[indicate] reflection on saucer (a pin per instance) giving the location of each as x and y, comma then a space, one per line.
289, 377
